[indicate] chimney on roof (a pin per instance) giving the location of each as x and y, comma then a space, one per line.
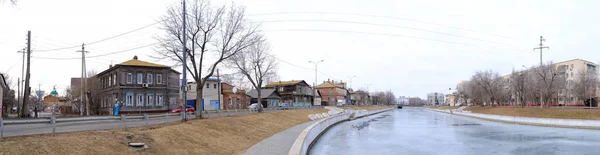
110, 66
135, 57
328, 79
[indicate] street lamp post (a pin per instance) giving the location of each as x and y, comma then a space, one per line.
350, 81
524, 94
315, 84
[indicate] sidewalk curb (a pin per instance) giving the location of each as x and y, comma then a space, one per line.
299, 147
514, 121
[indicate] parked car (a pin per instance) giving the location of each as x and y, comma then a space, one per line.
254, 106
188, 109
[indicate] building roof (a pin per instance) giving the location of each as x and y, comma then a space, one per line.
329, 85
284, 83
136, 62
265, 93
574, 60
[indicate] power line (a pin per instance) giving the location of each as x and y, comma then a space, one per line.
54, 58
389, 17
101, 40
301, 66
383, 34
385, 25
11, 67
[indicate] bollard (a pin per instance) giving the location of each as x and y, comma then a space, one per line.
53, 121
146, 118
167, 117
124, 119
1, 127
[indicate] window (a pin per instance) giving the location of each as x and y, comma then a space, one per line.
207, 86
571, 66
215, 86
150, 100
158, 79
114, 79
280, 88
110, 80
129, 99
129, 78
149, 78
140, 100
140, 78
159, 100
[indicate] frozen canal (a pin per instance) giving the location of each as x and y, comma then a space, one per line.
422, 132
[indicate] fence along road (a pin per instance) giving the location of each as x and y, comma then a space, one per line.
20, 127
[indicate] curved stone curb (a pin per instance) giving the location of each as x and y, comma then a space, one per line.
312, 133
551, 122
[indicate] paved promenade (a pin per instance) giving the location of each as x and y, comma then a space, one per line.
278, 144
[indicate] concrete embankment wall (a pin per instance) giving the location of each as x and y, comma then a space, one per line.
571, 123
312, 133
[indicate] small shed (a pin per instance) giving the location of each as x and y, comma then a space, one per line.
269, 97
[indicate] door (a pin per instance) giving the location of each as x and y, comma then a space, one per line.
215, 103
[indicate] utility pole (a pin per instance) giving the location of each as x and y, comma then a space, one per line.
219, 89
18, 94
315, 84
26, 89
20, 81
184, 62
83, 83
542, 40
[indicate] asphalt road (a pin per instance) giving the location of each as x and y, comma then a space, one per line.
418, 131
60, 127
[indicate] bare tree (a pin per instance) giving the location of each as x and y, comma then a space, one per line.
487, 85
585, 84
257, 65
390, 98
517, 86
223, 31
463, 91
549, 82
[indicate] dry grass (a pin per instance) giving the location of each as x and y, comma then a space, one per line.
225, 135
591, 114
366, 107
444, 107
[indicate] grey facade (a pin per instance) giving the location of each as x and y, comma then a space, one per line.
138, 86
435, 98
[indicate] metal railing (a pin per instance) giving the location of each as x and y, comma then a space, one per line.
86, 120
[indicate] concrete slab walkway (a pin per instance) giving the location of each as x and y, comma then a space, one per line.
278, 144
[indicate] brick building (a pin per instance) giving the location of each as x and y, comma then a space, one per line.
333, 93
233, 99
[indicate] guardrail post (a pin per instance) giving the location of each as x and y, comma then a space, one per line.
53, 121
124, 119
146, 119
1, 127
167, 117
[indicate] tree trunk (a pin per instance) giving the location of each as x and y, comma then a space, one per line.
258, 99
199, 100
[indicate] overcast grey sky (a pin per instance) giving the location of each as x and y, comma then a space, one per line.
443, 43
